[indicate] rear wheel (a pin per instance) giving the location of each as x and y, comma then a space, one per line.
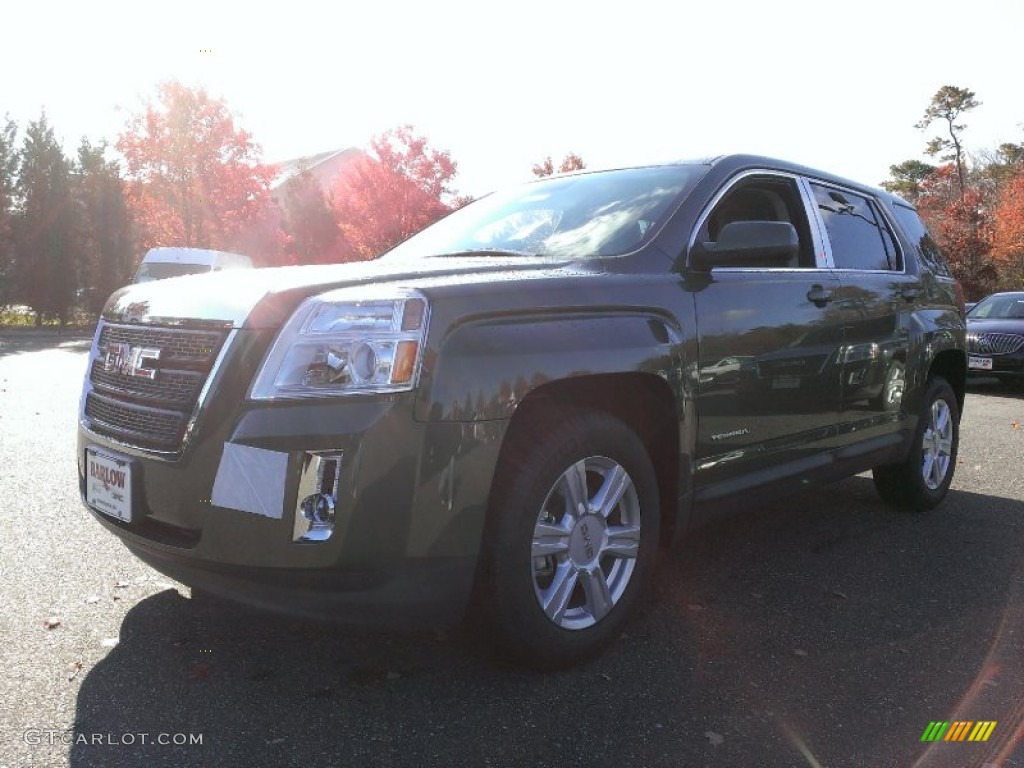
571, 539
921, 482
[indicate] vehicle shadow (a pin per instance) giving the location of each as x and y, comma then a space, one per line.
824, 626
995, 387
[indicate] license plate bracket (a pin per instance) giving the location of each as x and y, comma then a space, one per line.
108, 483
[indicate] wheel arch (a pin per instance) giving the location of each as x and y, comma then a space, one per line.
951, 365
642, 401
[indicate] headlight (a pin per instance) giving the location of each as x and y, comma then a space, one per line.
337, 345
857, 352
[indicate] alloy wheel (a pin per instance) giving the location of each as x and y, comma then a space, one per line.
937, 445
585, 542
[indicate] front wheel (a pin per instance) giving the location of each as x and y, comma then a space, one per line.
571, 539
921, 482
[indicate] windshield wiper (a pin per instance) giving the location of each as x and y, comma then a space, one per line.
486, 252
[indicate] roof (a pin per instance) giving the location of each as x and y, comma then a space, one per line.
740, 162
324, 163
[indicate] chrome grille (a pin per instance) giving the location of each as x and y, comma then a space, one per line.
994, 343
137, 425
169, 387
151, 412
181, 345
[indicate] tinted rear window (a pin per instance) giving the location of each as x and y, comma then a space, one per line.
859, 239
928, 253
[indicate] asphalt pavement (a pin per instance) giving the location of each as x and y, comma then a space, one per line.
823, 630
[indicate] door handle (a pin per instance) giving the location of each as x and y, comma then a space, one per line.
910, 292
819, 296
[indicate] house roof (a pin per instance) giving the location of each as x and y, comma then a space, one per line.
324, 166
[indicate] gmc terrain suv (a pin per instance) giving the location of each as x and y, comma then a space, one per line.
511, 411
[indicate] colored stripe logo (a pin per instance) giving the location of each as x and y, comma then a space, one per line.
959, 730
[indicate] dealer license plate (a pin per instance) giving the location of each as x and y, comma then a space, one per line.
979, 363
108, 484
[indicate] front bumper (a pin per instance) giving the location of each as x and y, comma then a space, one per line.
409, 516
412, 593
1003, 366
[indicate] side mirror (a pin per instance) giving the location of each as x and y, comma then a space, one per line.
748, 243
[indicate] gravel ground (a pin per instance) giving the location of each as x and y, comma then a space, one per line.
820, 631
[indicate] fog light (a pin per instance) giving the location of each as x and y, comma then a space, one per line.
317, 496
318, 509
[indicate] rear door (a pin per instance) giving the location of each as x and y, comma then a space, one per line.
876, 299
769, 342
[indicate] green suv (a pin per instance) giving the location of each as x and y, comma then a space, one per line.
510, 412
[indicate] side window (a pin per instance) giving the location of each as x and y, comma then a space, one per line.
928, 252
763, 198
859, 237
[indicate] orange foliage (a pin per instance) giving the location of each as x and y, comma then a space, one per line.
397, 191
1008, 237
962, 227
571, 162
194, 178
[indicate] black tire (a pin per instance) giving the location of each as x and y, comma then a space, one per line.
921, 482
530, 511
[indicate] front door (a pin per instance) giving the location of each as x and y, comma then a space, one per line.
770, 342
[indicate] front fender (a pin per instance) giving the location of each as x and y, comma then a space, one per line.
936, 333
485, 368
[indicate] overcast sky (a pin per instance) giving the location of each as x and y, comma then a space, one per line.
837, 85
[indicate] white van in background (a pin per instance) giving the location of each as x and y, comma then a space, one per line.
159, 263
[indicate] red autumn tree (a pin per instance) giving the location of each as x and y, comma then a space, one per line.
571, 162
398, 188
1008, 240
1008, 234
962, 226
195, 178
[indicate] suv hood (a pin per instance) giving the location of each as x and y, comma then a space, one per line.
263, 298
1001, 325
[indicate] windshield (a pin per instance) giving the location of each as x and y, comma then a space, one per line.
594, 214
1009, 306
160, 270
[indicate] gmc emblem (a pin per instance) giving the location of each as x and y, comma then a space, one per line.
131, 361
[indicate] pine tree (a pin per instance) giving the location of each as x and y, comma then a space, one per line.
44, 227
947, 105
8, 175
314, 236
107, 246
